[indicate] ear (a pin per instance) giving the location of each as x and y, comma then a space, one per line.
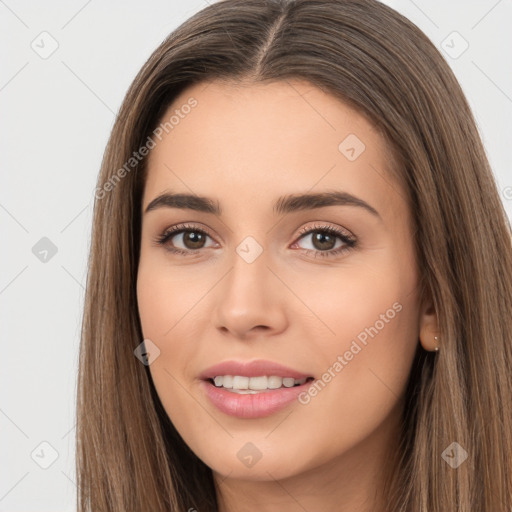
429, 330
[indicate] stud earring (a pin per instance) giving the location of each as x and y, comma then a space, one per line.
437, 346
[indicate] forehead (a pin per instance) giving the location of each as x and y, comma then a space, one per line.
261, 140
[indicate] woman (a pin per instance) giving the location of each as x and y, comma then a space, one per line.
300, 283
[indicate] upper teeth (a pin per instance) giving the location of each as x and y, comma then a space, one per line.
237, 382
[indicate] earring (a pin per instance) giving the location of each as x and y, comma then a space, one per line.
437, 346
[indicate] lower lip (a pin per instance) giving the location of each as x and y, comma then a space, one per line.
252, 406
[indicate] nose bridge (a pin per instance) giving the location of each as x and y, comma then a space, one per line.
249, 273
247, 297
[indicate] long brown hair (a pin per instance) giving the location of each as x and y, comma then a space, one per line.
129, 456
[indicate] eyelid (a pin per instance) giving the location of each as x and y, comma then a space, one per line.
337, 230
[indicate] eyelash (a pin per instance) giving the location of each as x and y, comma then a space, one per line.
349, 243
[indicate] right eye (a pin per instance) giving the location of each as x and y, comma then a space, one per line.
189, 237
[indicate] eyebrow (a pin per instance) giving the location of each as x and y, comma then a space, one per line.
285, 204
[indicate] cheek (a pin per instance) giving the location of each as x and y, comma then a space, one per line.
167, 304
156, 302
168, 297
366, 358
170, 315
371, 303
379, 315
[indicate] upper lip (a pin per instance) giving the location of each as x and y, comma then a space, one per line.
255, 368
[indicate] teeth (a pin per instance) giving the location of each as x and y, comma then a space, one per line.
274, 382
258, 383
288, 382
251, 385
240, 382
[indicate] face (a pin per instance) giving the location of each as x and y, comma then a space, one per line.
286, 324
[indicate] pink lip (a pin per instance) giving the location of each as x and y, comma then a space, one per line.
252, 406
256, 368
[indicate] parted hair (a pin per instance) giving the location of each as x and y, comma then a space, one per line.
129, 457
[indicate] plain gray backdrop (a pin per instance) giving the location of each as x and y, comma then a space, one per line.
65, 69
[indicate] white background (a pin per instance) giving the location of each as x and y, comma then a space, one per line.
56, 116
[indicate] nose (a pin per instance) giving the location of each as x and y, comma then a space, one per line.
250, 300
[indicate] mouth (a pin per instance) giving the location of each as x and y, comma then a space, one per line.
253, 389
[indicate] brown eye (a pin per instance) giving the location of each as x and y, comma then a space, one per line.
193, 239
323, 241
183, 239
326, 240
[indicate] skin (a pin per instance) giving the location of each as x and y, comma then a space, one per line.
244, 146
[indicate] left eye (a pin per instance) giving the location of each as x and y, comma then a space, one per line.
327, 240
323, 240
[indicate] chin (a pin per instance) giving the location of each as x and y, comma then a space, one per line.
244, 461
